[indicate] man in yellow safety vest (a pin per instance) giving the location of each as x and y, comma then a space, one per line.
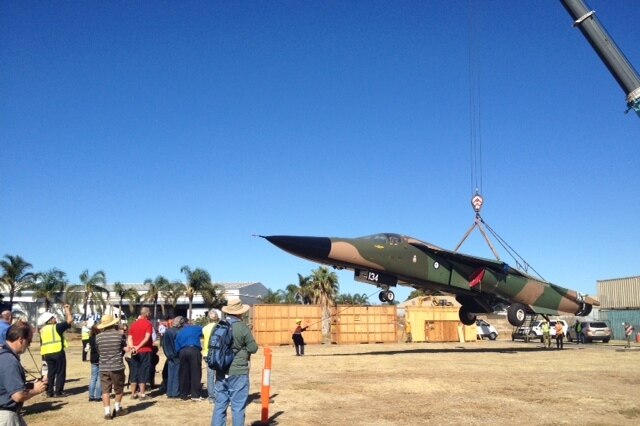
86, 334
52, 344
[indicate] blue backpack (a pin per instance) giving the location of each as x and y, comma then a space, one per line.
220, 355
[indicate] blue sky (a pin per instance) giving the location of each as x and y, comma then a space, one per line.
138, 137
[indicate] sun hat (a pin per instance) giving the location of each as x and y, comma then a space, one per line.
44, 318
235, 307
107, 321
298, 321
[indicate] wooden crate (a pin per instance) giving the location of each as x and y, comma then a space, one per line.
364, 324
274, 324
437, 324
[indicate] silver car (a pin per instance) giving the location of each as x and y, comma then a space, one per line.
591, 330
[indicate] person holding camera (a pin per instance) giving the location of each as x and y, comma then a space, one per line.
12, 376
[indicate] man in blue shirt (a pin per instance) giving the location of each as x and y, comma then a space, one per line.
5, 323
13, 388
189, 348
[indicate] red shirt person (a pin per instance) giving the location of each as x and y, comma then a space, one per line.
141, 346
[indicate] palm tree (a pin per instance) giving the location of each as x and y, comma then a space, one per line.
90, 290
213, 295
50, 287
274, 297
300, 293
196, 280
15, 277
324, 289
360, 299
154, 287
172, 293
126, 293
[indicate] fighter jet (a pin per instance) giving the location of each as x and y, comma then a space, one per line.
480, 285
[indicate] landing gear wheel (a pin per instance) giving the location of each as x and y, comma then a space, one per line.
390, 296
516, 314
382, 296
466, 317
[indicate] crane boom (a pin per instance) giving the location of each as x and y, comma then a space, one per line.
618, 65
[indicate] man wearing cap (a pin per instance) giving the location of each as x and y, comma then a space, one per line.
173, 359
111, 347
13, 387
52, 345
298, 340
232, 387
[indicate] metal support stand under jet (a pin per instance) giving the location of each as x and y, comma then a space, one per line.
615, 61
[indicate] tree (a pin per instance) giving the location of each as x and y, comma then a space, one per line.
88, 291
299, 293
173, 292
213, 295
153, 292
15, 277
274, 297
324, 289
196, 280
126, 293
355, 299
422, 293
50, 287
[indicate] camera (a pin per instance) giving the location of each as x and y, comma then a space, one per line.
28, 385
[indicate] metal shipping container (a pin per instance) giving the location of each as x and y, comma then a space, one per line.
615, 318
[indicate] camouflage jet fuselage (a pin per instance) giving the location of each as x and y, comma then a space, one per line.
480, 285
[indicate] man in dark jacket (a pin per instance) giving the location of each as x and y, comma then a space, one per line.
173, 359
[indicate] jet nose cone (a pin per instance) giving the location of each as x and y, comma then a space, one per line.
316, 248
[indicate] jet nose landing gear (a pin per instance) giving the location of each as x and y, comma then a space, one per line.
386, 296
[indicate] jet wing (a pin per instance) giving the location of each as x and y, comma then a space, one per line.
472, 261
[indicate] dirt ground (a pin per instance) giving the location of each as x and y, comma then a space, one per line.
478, 383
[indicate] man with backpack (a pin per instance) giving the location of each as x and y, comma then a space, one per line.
232, 383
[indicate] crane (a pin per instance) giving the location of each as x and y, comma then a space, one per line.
615, 61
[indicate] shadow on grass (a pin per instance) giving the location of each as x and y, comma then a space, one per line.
456, 350
271, 421
41, 407
140, 406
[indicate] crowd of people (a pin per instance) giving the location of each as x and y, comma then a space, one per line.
110, 346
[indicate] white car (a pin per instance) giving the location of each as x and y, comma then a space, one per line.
486, 330
535, 331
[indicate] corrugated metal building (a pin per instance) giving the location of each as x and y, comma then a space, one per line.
620, 302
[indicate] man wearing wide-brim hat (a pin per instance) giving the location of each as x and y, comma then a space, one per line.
232, 387
111, 345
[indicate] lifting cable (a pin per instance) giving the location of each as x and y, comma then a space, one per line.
474, 104
476, 148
